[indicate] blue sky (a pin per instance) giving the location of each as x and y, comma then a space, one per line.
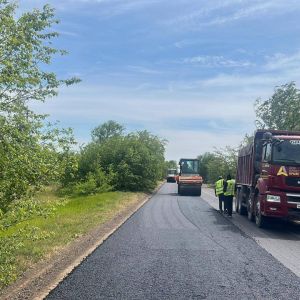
188, 71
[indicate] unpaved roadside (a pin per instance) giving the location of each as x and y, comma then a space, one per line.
39, 280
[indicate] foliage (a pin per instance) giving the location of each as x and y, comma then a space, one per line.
133, 162
204, 159
29, 239
31, 153
10, 245
25, 46
281, 111
107, 130
221, 162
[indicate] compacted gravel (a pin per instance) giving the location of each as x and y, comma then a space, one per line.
178, 247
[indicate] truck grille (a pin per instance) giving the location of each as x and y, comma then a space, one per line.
292, 181
293, 199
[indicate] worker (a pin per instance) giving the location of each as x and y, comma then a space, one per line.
229, 191
219, 192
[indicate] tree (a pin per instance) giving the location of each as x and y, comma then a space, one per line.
31, 153
221, 162
25, 48
204, 160
281, 111
132, 162
107, 130
171, 164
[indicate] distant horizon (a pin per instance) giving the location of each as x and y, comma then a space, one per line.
187, 72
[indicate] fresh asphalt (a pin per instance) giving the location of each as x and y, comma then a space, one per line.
179, 247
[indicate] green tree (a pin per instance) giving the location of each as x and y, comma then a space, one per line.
204, 160
171, 164
107, 130
281, 111
31, 153
133, 162
221, 162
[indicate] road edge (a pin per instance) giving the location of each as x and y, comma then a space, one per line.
54, 270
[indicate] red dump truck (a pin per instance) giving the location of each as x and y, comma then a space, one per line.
268, 176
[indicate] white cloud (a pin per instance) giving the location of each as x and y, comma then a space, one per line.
216, 61
222, 12
283, 62
144, 70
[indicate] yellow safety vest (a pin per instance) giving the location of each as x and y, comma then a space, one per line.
220, 187
230, 188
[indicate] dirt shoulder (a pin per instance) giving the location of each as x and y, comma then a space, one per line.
39, 280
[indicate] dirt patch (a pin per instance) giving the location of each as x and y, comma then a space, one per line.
38, 281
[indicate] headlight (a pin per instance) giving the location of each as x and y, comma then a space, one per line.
273, 198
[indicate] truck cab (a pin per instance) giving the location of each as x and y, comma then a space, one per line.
171, 175
279, 181
189, 179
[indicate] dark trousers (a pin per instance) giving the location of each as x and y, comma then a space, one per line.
228, 204
221, 202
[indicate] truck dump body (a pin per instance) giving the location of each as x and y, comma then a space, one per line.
245, 168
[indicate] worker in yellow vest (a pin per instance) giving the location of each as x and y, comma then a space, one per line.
219, 192
229, 191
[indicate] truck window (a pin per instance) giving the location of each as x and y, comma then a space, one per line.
267, 151
287, 152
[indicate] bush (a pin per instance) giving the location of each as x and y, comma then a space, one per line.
96, 182
134, 162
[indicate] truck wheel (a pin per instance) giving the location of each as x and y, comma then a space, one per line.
237, 204
240, 209
179, 191
249, 210
260, 220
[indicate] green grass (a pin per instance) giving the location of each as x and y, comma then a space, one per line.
39, 236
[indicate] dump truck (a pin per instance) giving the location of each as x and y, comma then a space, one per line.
268, 177
189, 180
171, 175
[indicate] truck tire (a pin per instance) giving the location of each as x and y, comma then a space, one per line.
249, 210
260, 220
240, 209
236, 202
179, 189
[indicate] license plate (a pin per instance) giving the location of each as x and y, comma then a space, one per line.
298, 205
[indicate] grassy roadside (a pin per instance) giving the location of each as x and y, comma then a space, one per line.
26, 242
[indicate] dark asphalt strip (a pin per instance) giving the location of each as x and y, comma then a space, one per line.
179, 248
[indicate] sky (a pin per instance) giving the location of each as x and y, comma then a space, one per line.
188, 71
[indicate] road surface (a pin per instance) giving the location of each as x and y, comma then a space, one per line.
281, 239
179, 247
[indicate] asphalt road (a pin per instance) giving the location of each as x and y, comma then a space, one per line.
281, 239
179, 248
